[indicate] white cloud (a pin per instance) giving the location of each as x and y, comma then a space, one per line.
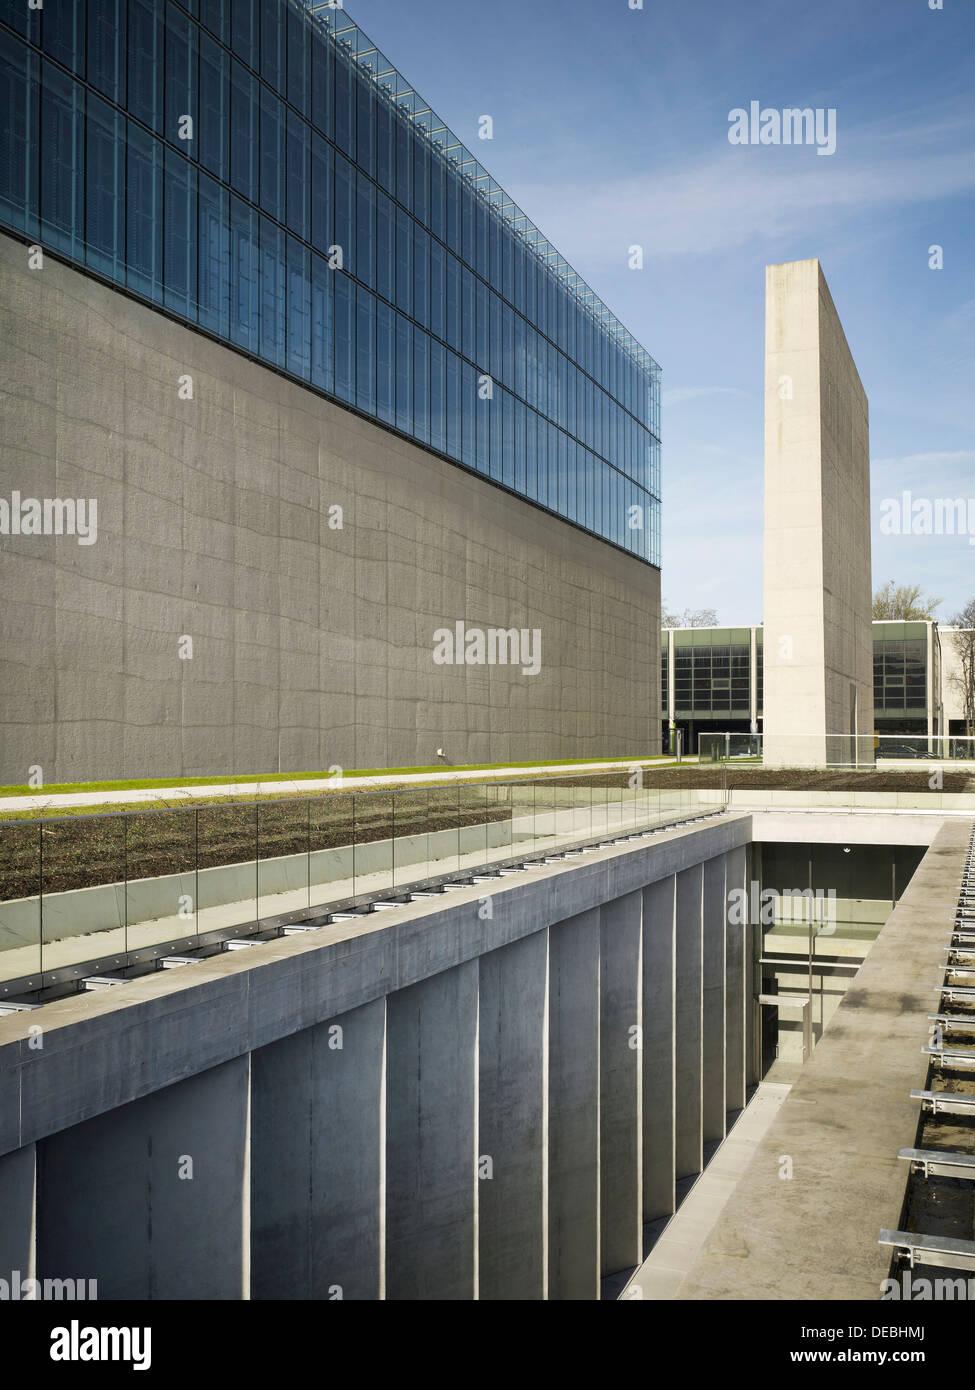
745, 194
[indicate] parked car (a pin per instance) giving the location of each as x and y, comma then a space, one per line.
903, 750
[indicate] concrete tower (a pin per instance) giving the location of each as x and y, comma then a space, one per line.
818, 654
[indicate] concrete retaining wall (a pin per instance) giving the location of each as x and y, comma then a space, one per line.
452, 1101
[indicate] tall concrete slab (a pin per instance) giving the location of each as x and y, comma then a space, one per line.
165, 1184
513, 1121
688, 1066
318, 1159
736, 1000
17, 1229
818, 669
659, 1053
621, 1084
431, 1137
714, 929
573, 1173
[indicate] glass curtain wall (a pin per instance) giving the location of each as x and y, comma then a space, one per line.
265, 174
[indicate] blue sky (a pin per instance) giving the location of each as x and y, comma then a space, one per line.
611, 129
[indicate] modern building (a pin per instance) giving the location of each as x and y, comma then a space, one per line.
316, 451
712, 680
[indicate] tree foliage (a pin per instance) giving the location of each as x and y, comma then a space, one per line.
691, 617
903, 601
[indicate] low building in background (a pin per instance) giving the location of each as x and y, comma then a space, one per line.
712, 681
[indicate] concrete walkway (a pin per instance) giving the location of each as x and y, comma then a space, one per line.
844, 1120
682, 1241
42, 801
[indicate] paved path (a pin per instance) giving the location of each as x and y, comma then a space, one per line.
42, 801
684, 1236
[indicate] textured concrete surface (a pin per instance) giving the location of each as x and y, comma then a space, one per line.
316, 1231
513, 1120
818, 598
620, 1082
738, 999
659, 1081
17, 1223
312, 646
713, 1012
682, 1240
689, 996
431, 1137
164, 1182
574, 1103
814, 1235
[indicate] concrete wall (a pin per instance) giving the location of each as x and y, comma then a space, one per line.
466, 1098
818, 698
312, 646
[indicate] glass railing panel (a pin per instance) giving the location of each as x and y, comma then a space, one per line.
331, 837
499, 836
582, 809
411, 836
226, 865
543, 818
20, 903
477, 808
283, 860
82, 853
453, 816
598, 814
374, 832
614, 804
668, 805
633, 803
561, 811
160, 861
522, 796
573, 810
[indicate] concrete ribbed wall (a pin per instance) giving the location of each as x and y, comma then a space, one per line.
484, 1098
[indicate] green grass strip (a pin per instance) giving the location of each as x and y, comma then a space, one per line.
140, 784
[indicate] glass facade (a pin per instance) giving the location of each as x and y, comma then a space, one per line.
711, 672
265, 174
900, 670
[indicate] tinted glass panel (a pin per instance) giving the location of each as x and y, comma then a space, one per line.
301, 211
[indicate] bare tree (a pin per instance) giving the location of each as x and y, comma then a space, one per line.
903, 601
691, 617
964, 678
